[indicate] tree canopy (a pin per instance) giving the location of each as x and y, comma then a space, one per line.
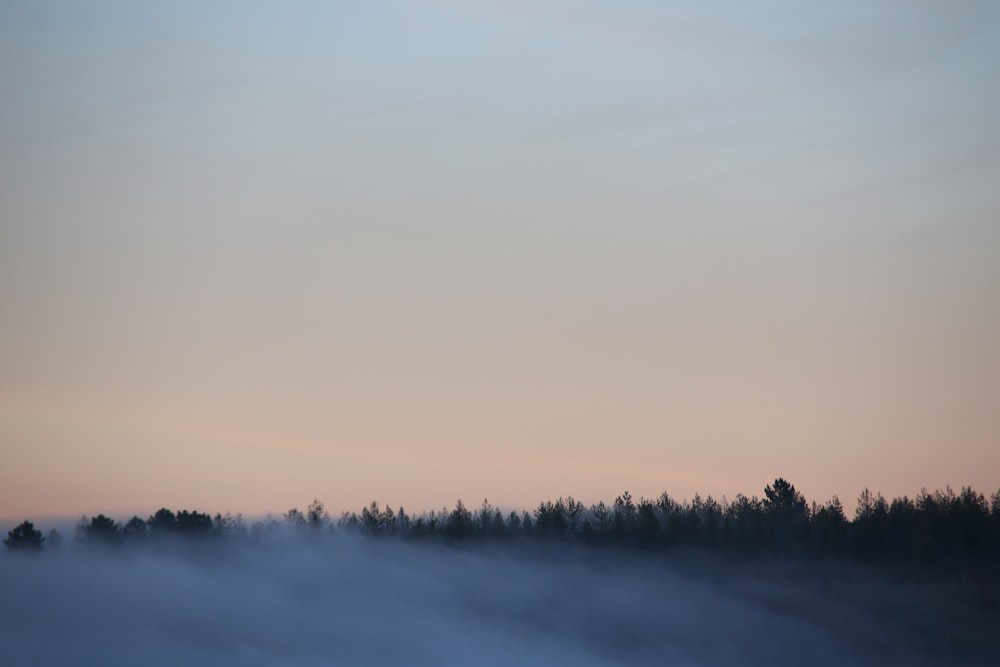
25, 537
931, 526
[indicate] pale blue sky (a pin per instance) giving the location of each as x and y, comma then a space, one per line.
425, 250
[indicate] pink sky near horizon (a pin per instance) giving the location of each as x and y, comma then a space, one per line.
254, 255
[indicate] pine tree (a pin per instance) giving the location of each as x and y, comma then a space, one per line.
25, 537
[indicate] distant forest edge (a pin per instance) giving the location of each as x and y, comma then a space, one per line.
938, 526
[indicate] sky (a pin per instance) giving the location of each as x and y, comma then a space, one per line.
254, 253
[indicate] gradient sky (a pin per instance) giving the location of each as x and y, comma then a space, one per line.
254, 253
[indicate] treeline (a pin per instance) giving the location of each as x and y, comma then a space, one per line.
927, 528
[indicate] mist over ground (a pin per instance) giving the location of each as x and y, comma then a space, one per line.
343, 600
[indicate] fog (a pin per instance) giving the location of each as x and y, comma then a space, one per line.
345, 601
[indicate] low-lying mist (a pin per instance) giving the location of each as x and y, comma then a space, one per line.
345, 600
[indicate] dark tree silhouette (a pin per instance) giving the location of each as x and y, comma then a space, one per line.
164, 522
388, 518
24, 537
135, 529
942, 527
193, 524
601, 521
459, 524
787, 511
375, 521
995, 521
513, 526
783, 500
316, 515
574, 514
100, 530
647, 524
483, 519
527, 525
712, 520
749, 528
371, 519
623, 518
498, 529
550, 519
295, 518
403, 522
828, 527
870, 522
229, 525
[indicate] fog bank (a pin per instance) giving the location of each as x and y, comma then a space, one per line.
346, 601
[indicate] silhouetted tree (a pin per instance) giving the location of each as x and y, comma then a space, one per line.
316, 515
935, 525
24, 537
403, 522
647, 524
349, 521
376, 522
901, 527
686, 522
295, 518
498, 529
100, 530
193, 524
787, 511
527, 525
622, 518
483, 519
828, 527
433, 523
419, 528
601, 516
459, 524
513, 524
749, 527
670, 520
164, 522
550, 519
970, 514
712, 521
229, 525
870, 520
575, 512
135, 529
783, 500
388, 519
371, 519
995, 520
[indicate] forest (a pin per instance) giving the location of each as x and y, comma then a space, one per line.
932, 527
770, 580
